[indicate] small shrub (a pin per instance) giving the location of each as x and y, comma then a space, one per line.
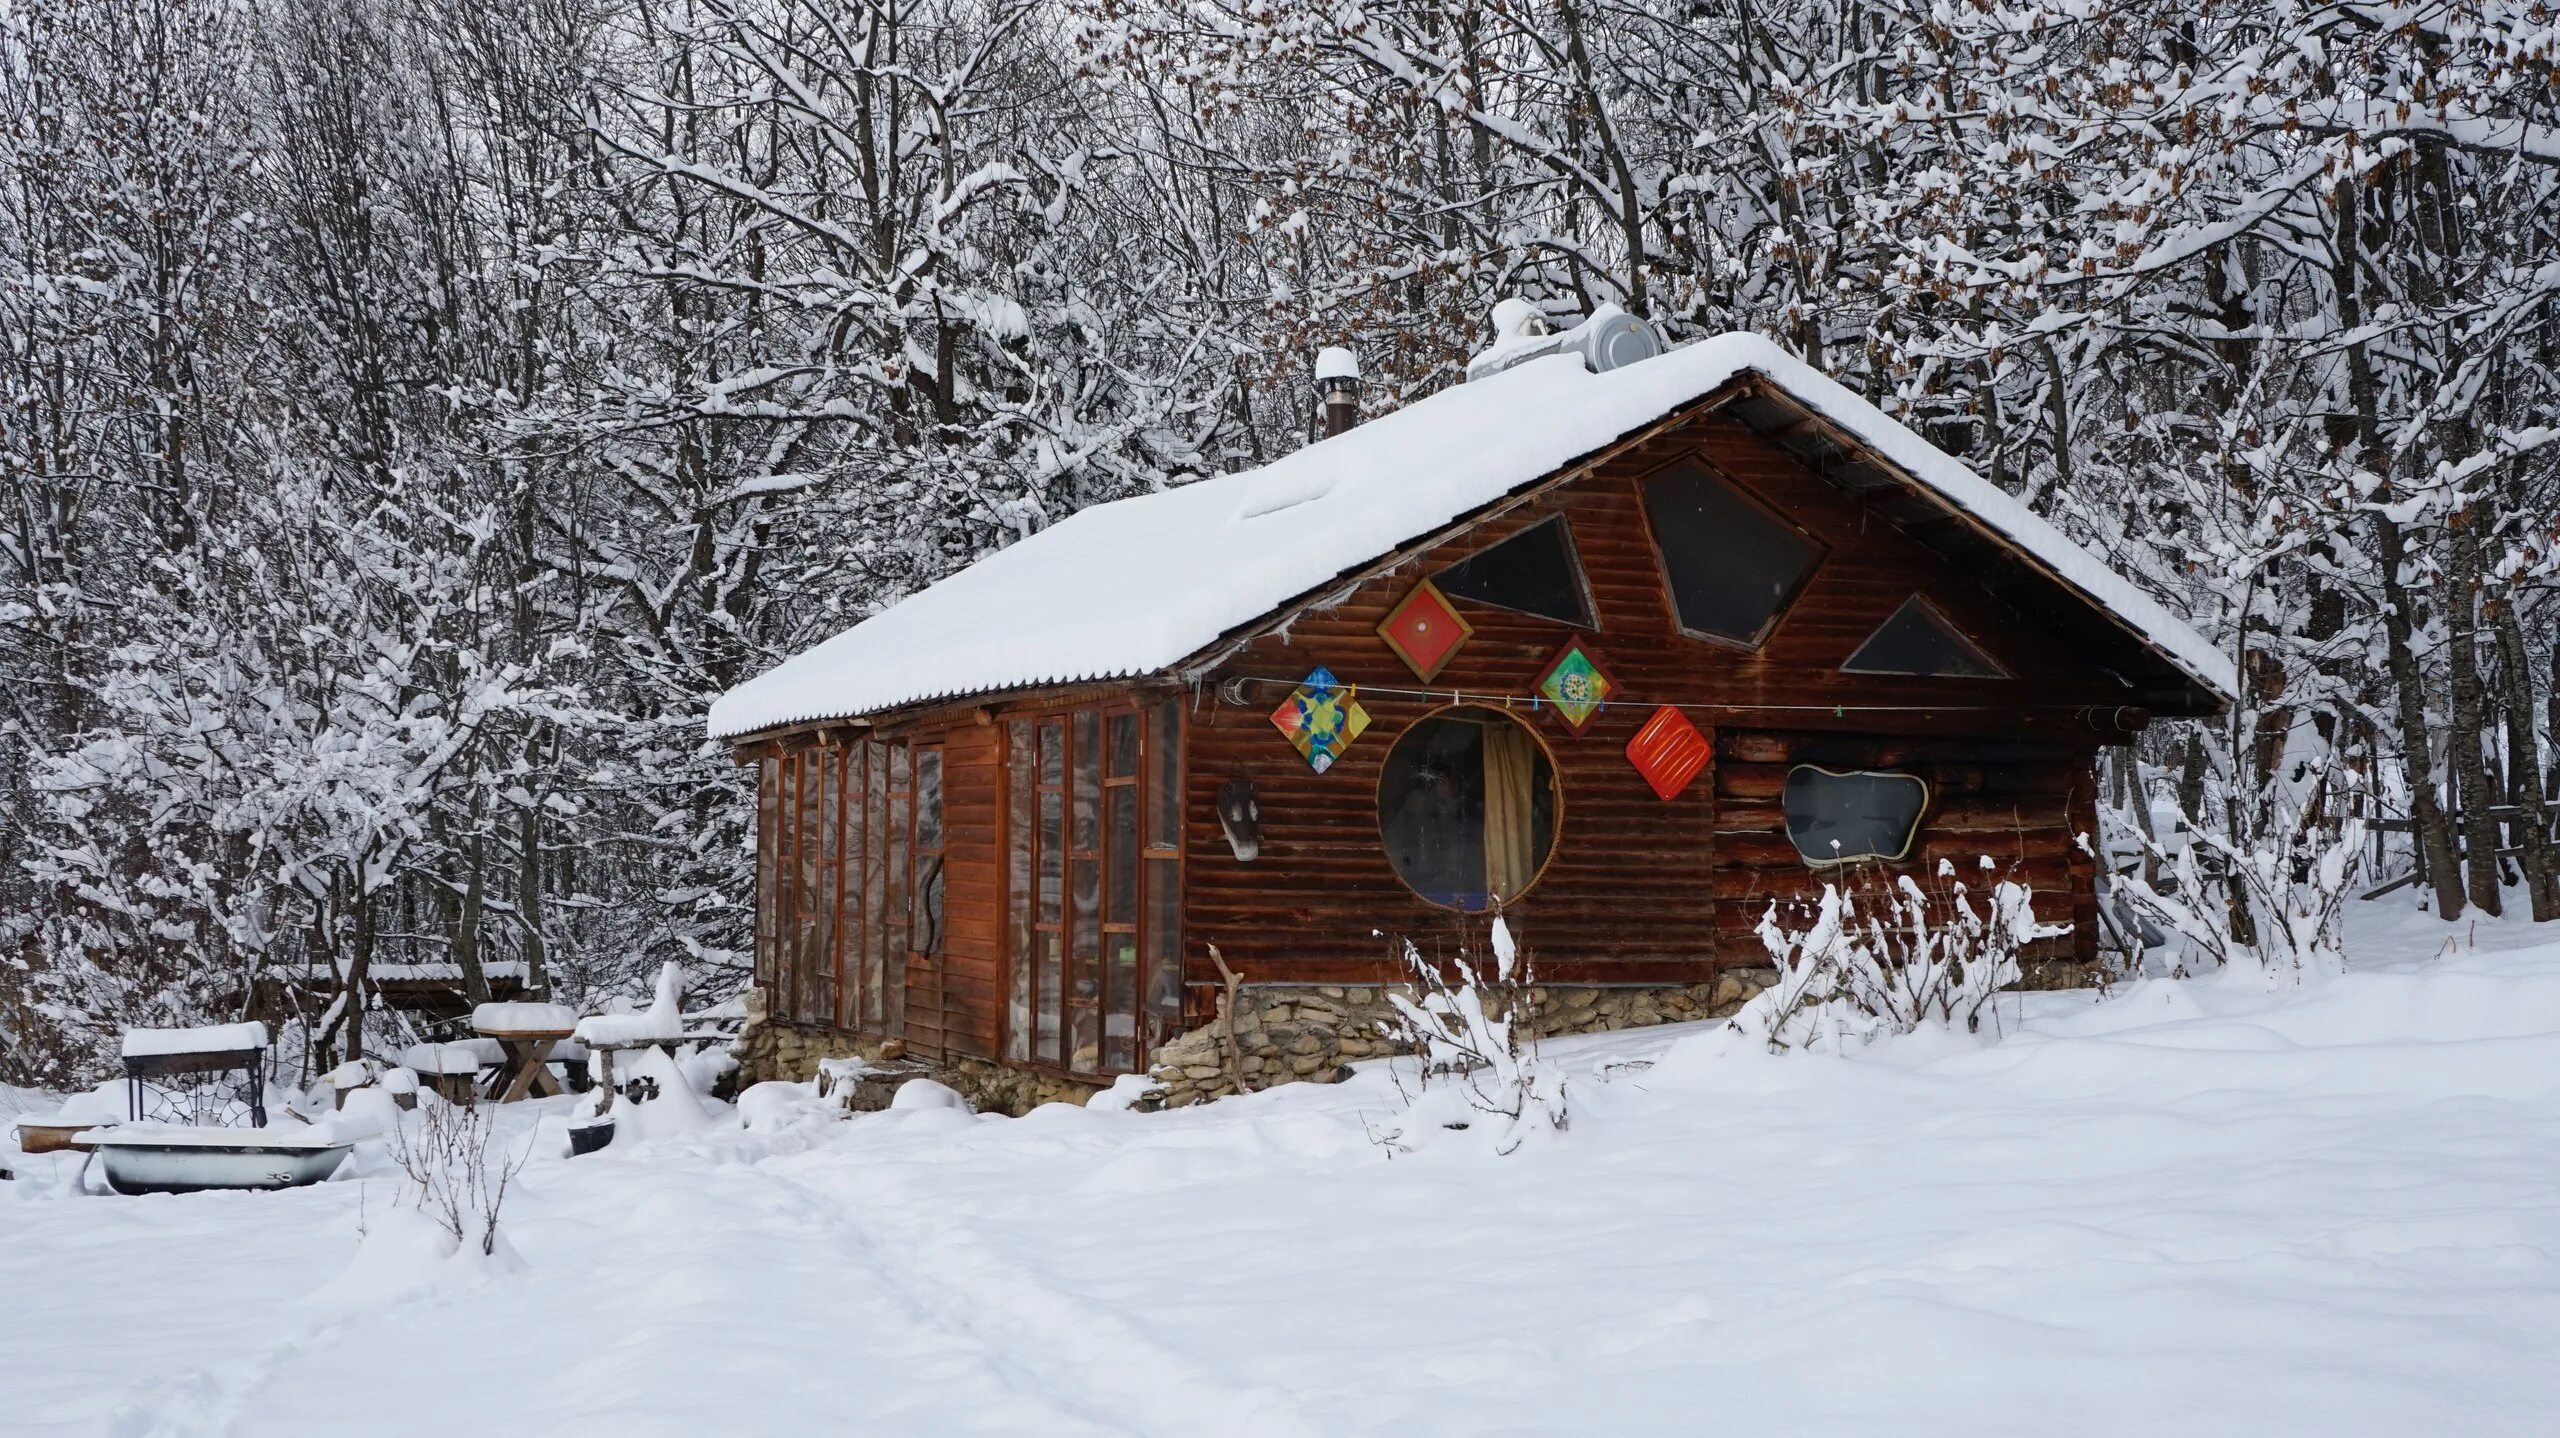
1891, 959
1480, 1069
451, 1175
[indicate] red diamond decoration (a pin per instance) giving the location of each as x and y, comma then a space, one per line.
1424, 631
1669, 752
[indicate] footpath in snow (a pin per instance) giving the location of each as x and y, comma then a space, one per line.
2189, 1208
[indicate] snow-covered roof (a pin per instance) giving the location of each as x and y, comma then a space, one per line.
1136, 586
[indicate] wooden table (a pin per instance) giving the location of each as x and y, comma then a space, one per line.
528, 1061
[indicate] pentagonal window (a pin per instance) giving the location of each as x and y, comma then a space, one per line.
1835, 818
1918, 640
1467, 808
1731, 565
1534, 572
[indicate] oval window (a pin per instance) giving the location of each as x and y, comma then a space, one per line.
1835, 818
1467, 807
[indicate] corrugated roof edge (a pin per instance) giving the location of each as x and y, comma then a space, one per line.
929, 700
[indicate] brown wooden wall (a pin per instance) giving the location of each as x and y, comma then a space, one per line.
1640, 890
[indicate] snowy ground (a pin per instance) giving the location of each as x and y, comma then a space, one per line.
2185, 1209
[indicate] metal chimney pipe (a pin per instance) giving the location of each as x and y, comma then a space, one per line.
1337, 389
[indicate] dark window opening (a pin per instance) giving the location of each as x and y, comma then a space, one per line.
1837, 818
1731, 565
1094, 874
849, 881
1534, 572
1467, 807
1918, 640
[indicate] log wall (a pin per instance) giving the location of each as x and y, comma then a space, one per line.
1639, 890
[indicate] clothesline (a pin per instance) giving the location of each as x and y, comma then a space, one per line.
1232, 687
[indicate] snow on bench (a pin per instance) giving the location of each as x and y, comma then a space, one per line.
211, 1039
524, 1018
463, 1056
628, 1030
663, 1023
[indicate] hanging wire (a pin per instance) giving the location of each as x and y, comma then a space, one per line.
1233, 686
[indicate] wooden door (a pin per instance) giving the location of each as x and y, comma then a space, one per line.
923, 1010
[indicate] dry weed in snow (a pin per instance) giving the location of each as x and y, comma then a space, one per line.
1891, 959
1479, 1072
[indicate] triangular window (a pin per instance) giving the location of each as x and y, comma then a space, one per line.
1534, 572
1918, 640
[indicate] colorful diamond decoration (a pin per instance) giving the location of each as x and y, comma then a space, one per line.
1669, 752
1321, 717
1424, 631
1576, 685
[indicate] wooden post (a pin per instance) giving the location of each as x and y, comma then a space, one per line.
1235, 1050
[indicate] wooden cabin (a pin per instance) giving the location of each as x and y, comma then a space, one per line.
1627, 651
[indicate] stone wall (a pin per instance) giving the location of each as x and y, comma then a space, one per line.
1290, 1033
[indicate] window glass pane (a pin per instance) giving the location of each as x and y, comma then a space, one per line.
786, 843
1164, 776
1087, 789
1163, 931
1087, 905
1084, 962
1020, 819
1120, 1004
1084, 1046
1124, 745
1834, 818
875, 882
1053, 858
1466, 805
1535, 572
822, 972
1121, 854
926, 931
1053, 752
1050, 1005
768, 824
853, 914
929, 799
1731, 565
808, 948
894, 941
1918, 640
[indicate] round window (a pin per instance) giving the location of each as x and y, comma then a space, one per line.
1467, 807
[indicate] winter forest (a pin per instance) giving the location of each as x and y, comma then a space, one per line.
413, 412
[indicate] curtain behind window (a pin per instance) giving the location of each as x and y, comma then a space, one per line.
1510, 829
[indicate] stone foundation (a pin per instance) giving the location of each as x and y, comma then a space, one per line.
770, 1049
1290, 1033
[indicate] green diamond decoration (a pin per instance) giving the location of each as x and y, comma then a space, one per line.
1576, 685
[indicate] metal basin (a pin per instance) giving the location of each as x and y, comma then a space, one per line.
235, 1158
36, 1137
